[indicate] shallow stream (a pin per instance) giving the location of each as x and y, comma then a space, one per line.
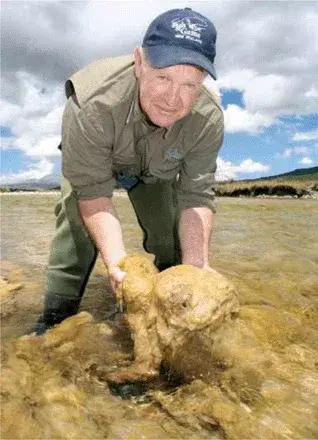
257, 378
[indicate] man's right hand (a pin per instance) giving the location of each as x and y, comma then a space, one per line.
116, 277
102, 222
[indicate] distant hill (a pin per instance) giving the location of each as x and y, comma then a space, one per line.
298, 174
46, 183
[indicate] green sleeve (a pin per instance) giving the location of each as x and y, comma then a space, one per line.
197, 173
87, 141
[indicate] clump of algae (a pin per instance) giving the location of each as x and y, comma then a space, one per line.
41, 395
258, 377
164, 309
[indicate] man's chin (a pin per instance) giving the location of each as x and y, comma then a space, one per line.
163, 121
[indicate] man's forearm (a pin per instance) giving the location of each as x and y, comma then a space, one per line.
102, 222
195, 229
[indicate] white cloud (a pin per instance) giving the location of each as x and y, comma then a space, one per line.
286, 153
294, 151
6, 142
272, 61
306, 161
266, 97
312, 93
36, 171
301, 150
8, 112
226, 170
212, 85
270, 94
237, 79
238, 119
35, 121
249, 166
306, 136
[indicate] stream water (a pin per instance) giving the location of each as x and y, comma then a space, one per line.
257, 378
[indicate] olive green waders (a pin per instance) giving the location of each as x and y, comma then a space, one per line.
73, 253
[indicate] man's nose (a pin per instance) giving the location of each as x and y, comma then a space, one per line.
172, 95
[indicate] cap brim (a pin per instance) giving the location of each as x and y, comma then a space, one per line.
165, 56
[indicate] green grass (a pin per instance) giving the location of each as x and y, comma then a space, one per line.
279, 187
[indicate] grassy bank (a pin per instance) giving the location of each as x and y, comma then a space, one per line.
281, 187
271, 187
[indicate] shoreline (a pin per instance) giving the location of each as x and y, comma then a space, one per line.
124, 194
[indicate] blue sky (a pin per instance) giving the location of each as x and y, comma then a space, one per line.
267, 78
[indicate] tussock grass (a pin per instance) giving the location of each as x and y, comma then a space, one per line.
270, 187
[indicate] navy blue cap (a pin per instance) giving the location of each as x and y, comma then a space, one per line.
181, 36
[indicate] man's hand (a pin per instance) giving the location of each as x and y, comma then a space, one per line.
116, 277
209, 269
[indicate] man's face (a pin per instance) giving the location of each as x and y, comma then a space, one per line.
167, 94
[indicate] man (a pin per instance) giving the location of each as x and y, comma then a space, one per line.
145, 123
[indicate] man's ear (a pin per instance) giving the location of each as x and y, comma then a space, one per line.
137, 60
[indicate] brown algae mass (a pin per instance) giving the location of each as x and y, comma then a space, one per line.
164, 309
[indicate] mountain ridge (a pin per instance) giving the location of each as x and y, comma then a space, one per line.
299, 173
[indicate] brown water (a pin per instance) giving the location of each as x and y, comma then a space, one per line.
257, 378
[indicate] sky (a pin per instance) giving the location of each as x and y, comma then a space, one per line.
267, 67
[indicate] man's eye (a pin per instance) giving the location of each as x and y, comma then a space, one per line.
190, 85
162, 77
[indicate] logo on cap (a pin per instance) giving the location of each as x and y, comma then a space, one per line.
189, 28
